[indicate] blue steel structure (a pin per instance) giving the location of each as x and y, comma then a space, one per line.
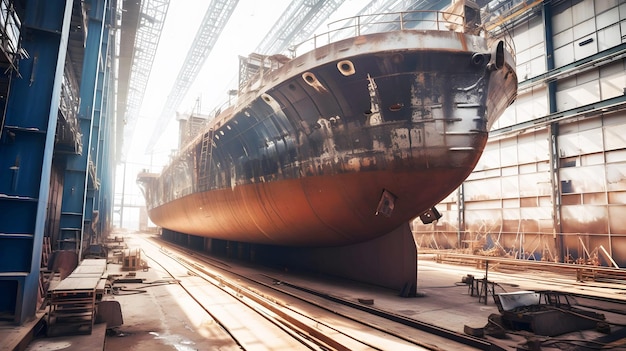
105, 163
35, 162
81, 176
26, 150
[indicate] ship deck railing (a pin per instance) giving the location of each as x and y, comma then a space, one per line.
426, 20
389, 22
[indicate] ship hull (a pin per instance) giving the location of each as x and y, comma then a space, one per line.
341, 145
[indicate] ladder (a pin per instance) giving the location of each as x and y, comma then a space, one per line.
206, 155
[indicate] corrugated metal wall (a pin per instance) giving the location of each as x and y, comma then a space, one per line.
552, 185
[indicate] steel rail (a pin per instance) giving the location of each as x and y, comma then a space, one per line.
468, 340
224, 327
460, 338
311, 337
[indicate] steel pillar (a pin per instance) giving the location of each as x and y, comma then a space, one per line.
555, 179
92, 203
26, 150
77, 203
460, 234
105, 143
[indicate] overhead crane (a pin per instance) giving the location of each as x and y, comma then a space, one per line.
300, 20
297, 22
215, 19
152, 14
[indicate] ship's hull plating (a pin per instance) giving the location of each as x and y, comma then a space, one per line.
340, 145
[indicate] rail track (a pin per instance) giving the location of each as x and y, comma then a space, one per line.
292, 317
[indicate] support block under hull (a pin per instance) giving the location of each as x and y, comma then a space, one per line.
388, 261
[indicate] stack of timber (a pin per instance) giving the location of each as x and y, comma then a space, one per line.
580, 272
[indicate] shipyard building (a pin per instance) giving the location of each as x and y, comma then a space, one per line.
548, 185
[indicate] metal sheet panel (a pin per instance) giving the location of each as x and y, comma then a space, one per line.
617, 198
564, 55
579, 95
586, 45
562, 18
585, 219
584, 179
582, 11
490, 158
563, 38
618, 248
509, 186
616, 217
603, 5
508, 152
534, 184
580, 143
485, 189
615, 137
610, 36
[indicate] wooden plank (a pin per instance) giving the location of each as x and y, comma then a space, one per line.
78, 283
94, 262
89, 270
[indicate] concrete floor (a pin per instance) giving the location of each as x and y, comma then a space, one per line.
443, 301
161, 316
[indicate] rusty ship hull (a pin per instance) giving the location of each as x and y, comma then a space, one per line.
342, 144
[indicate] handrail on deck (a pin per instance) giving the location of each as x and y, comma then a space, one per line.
385, 22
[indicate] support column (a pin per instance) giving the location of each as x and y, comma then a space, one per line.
92, 203
460, 234
555, 179
26, 146
104, 162
79, 171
